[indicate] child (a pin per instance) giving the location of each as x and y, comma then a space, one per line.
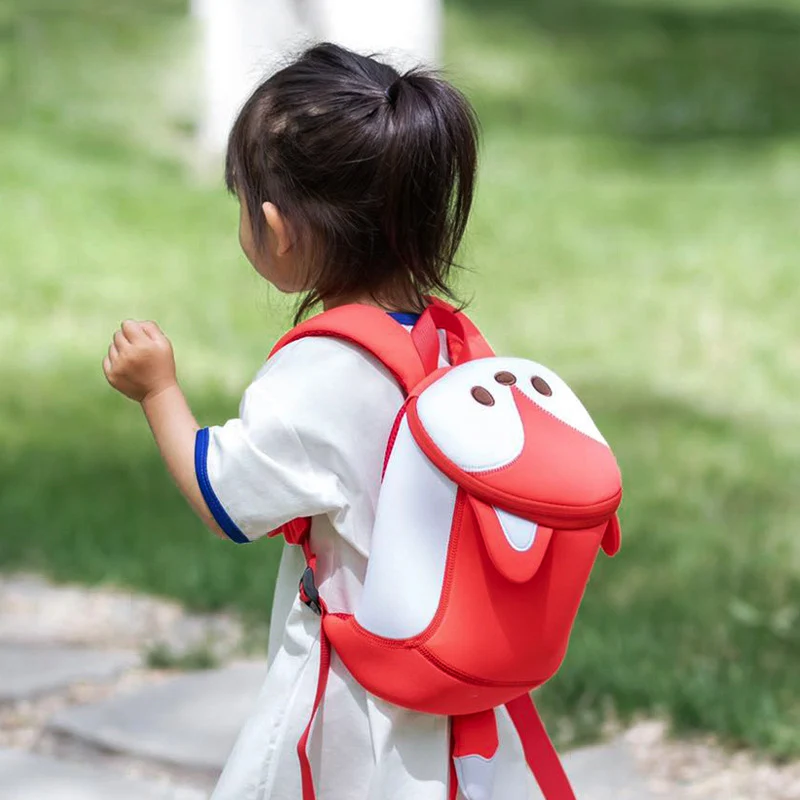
355, 184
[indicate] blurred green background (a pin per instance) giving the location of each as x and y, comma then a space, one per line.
636, 228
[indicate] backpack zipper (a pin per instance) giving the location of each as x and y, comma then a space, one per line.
551, 514
467, 678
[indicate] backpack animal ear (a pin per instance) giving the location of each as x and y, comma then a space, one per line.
612, 538
515, 545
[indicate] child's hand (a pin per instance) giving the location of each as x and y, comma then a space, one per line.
140, 362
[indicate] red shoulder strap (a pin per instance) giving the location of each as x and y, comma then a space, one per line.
371, 329
408, 358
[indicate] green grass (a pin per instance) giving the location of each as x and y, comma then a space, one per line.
635, 228
199, 657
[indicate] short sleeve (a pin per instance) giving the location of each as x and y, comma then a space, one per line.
254, 472
309, 441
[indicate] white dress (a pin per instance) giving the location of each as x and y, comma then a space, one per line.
310, 441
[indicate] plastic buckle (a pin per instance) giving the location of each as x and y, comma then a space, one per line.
308, 591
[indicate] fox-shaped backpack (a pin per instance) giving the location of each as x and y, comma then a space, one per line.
498, 493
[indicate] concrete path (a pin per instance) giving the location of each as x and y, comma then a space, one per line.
24, 776
174, 734
605, 772
30, 670
191, 721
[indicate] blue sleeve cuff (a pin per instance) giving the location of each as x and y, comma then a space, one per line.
228, 526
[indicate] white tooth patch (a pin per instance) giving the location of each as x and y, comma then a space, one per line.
520, 533
476, 776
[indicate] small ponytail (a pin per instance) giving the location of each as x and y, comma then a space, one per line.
392, 90
428, 176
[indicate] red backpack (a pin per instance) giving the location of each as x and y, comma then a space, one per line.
498, 493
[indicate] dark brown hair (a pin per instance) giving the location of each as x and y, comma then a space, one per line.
373, 170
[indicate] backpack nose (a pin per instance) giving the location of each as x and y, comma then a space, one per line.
558, 465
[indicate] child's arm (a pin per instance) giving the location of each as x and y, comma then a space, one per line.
140, 364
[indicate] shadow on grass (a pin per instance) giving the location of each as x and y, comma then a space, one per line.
655, 73
84, 496
694, 617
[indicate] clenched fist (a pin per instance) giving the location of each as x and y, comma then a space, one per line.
140, 361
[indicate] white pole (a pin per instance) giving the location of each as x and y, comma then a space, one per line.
408, 32
243, 40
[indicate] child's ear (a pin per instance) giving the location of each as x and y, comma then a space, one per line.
279, 227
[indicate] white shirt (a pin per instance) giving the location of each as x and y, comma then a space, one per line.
310, 441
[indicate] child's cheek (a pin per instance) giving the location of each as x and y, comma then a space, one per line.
280, 273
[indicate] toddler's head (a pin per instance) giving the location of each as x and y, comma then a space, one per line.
354, 181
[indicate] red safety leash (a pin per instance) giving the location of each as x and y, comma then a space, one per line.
302, 746
539, 751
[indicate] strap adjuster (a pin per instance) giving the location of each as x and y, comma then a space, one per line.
308, 591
